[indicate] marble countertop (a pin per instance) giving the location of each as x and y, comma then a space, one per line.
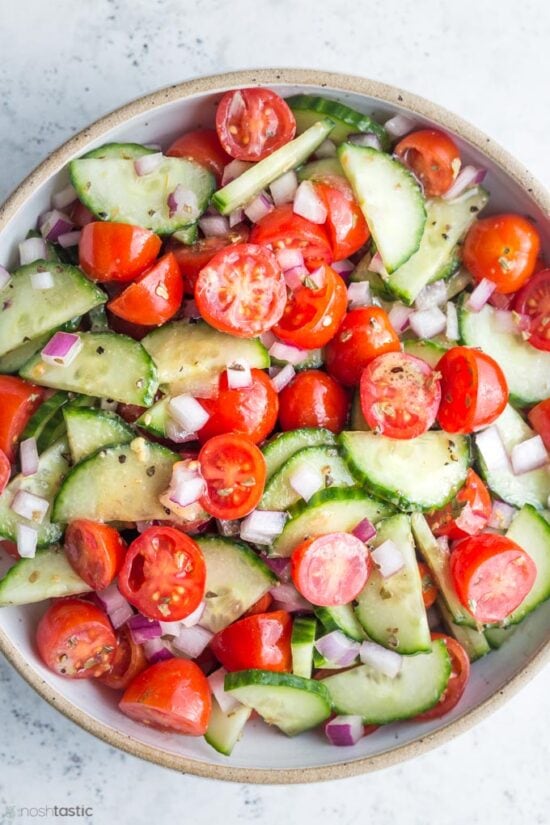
64, 64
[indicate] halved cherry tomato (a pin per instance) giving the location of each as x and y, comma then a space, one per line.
364, 334
116, 251
202, 146
460, 673
171, 695
345, 224
474, 391
251, 411
313, 399
235, 471
75, 639
330, 570
123, 327
503, 249
129, 660
433, 157
492, 575
163, 574
259, 642
539, 419
191, 259
400, 395
283, 229
312, 313
5, 470
241, 291
429, 590
19, 400
533, 300
252, 123
467, 514
261, 606
95, 550
10, 547
154, 297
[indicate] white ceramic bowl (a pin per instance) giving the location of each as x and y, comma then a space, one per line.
264, 754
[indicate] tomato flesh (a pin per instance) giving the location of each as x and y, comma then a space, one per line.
251, 411
95, 551
191, 258
453, 522
330, 570
154, 297
19, 401
346, 226
539, 418
235, 471
533, 300
261, 641
504, 249
116, 251
434, 158
313, 399
5, 471
129, 660
283, 229
429, 590
458, 680
201, 146
253, 123
364, 334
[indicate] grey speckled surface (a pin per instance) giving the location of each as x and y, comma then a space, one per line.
67, 62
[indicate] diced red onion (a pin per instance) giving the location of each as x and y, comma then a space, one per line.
327, 149
147, 164
468, 176
306, 480
433, 295
183, 202
267, 339
338, 648
286, 597
62, 349
501, 515
30, 506
186, 485
258, 208
359, 294
81, 215
156, 651
143, 629
289, 258
262, 526
55, 223
170, 628
115, 605
214, 226
399, 125
308, 204
388, 558
226, 701
344, 731
279, 566
399, 316
33, 249
469, 521
377, 264
286, 352
529, 455
142, 526
120, 615
236, 217
425, 323
367, 139
192, 640
489, 444
228, 527
188, 412
283, 377
387, 662
5, 277
239, 375
27, 540
28, 456
42, 280
68, 239
234, 170
284, 188
501, 301
343, 268
452, 332
443, 544
364, 531
178, 434
65, 197
480, 295
295, 277
317, 278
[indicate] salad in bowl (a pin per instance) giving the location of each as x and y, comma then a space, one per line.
275, 423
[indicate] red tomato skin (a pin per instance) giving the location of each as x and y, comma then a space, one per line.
345, 560
283, 229
364, 334
474, 391
129, 660
201, 146
533, 300
479, 565
432, 156
154, 297
264, 117
19, 401
261, 641
313, 399
232, 461
346, 225
539, 419
172, 695
95, 551
474, 493
116, 251
250, 411
194, 257
460, 674
312, 316
69, 619
502, 248
5, 470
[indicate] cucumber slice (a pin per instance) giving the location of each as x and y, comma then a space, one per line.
16, 358
241, 190
308, 108
447, 222
89, 430
188, 235
496, 636
528, 488
341, 618
429, 351
357, 419
29, 313
292, 703
127, 151
320, 663
391, 200
279, 493
329, 511
302, 645
44, 415
321, 169
47, 576
107, 366
379, 700
235, 578
473, 641
283, 446
52, 253
156, 419
225, 729
438, 562
98, 319
531, 531
52, 432
421, 473
113, 191
121, 483
392, 610
312, 360
190, 357
526, 369
52, 467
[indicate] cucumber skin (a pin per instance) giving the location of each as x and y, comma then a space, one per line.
521, 612
357, 121
307, 436
58, 587
128, 151
278, 485
219, 739
330, 622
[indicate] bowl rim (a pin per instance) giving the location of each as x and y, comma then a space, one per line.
333, 81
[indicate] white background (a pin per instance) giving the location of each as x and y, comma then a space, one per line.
65, 62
